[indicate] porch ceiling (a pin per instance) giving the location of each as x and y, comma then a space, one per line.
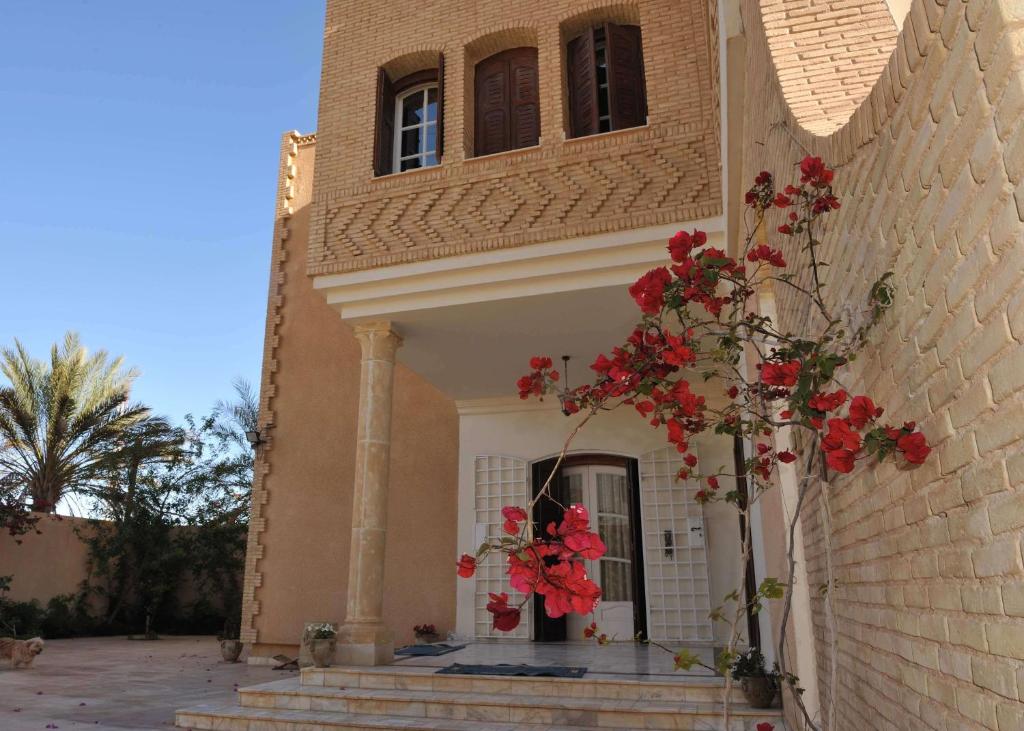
479, 350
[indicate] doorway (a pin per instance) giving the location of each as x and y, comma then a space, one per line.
608, 487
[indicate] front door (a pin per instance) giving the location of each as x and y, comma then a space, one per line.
604, 490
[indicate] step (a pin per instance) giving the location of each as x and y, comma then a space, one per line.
289, 694
226, 717
691, 688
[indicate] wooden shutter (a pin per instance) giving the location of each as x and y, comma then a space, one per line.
440, 106
627, 95
384, 132
492, 106
582, 70
507, 102
525, 98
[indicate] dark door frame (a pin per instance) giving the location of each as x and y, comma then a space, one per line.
545, 511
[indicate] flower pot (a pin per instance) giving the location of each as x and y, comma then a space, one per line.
427, 639
230, 650
322, 652
759, 690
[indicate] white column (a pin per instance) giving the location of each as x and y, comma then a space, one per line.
364, 640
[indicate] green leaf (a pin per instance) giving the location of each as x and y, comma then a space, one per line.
684, 660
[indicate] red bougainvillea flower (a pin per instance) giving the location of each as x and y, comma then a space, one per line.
827, 401
765, 726
840, 436
780, 374
813, 171
763, 252
506, 618
513, 516
914, 447
467, 566
540, 362
786, 456
863, 410
841, 460
566, 589
649, 290
574, 530
680, 245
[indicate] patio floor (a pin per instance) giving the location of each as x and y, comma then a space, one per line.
111, 683
615, 661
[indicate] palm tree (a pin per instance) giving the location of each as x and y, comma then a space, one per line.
60, 421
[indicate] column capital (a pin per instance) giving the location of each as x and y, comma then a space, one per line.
379, 340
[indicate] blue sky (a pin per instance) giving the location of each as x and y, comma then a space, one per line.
140, 148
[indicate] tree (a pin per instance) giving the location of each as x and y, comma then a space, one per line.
59, 421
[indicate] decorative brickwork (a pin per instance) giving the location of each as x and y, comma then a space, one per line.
666, 171
930, 596
275, 302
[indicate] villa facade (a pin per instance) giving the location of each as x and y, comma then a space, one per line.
485, 182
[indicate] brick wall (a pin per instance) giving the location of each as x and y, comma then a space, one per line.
930, 602
664, 172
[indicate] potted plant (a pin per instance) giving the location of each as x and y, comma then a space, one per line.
425, 634
230, 645
759, 686
322, 640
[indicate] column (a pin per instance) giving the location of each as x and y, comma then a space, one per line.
364, 640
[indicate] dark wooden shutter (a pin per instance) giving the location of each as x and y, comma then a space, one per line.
582, 71
492, 106
525, 98
627, 95
507, 102
440, 106
384, 133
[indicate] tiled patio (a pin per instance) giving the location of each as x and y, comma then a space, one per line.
111, 683
618, 660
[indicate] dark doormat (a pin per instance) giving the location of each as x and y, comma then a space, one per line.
438, 648
532, 671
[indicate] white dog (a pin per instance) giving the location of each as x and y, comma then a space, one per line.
20, 652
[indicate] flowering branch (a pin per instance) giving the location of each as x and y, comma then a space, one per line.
700, 319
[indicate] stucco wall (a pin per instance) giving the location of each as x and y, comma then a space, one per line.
45, 564
297, 562
665, 172
930, 600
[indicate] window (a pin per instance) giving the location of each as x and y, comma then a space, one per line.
507, 102
409, 130
416, 129
606, 80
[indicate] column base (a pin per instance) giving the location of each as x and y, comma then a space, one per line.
362, 644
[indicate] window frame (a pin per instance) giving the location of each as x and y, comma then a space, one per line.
402, 93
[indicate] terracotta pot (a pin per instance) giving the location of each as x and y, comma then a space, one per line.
230, 650
322, 652
759, 690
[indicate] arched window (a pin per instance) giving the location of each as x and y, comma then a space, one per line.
410, 121
606, 83
507, 102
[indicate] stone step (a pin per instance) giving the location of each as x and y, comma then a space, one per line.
692, 688
601, 712
225, 717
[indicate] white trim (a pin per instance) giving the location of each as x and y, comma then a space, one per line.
504, 405
561, 266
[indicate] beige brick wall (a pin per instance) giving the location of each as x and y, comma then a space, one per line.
666, 171
930, 600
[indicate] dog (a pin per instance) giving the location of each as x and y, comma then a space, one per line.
21, 653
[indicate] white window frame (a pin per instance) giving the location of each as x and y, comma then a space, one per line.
423, 126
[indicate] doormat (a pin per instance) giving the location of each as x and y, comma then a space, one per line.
532, 671
438, 648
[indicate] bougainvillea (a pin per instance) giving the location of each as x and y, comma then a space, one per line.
700, 322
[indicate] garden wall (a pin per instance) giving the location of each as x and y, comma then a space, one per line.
929, 160
54, 561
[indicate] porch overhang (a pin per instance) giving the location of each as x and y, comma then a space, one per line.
470, 323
